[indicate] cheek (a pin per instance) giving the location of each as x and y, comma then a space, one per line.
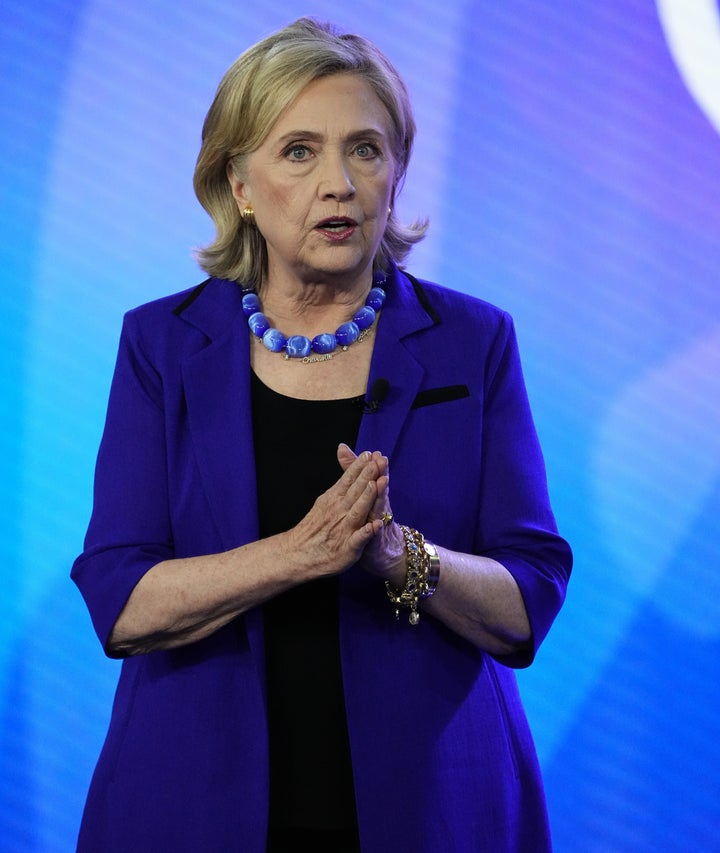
380, 197
285, 201
381, 186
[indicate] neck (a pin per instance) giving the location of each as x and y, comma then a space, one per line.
314, 303
300, 343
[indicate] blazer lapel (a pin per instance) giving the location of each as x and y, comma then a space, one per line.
217, 390
394, 361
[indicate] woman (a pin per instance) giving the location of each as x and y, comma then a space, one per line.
249, 566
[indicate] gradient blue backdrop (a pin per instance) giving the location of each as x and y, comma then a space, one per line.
569, 159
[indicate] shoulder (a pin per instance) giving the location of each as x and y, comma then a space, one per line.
200, 313
447, 306
212, 296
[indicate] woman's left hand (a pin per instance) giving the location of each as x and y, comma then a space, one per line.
476, 598
384, 555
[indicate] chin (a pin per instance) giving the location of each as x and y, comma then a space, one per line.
342, 266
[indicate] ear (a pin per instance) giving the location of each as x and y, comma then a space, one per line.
239, 187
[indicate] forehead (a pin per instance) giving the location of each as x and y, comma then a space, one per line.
339, 103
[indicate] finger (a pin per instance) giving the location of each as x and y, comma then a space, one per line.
365, 534
370, 473
383, 496
369, 494
381, 507
345, 456
359, 501
354, 493
354, 469
381, 461
364, 467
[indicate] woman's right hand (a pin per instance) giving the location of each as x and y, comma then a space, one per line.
334, 533
183, 600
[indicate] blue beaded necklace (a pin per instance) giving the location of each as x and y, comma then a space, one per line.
322, 347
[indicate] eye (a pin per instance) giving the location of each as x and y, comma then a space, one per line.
298, 152
367, 151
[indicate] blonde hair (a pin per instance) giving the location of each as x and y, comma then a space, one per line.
254, 92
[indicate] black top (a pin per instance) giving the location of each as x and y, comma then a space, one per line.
311, 784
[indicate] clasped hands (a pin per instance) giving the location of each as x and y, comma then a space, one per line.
345, 525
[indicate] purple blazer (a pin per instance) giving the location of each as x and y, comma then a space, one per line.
441, 751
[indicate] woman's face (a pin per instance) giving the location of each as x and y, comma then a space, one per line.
322, 182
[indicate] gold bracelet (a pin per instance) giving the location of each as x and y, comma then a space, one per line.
433, 571
418, 582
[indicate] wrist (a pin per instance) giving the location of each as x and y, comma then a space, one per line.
421, 577
299, 562
397, 567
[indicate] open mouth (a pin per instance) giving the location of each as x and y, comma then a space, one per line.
336, 225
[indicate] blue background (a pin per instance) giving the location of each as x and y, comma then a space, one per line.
570, 164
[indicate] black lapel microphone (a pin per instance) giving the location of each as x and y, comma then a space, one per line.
378, 393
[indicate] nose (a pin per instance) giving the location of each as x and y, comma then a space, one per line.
336, 180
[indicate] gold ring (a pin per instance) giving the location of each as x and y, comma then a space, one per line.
386, 519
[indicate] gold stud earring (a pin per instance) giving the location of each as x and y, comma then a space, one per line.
248, 213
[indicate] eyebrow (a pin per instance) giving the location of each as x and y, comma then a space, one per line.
314, 136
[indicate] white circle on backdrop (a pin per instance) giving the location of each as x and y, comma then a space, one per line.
692, 31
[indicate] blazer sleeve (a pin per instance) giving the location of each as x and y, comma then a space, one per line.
517, 526
129, 530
